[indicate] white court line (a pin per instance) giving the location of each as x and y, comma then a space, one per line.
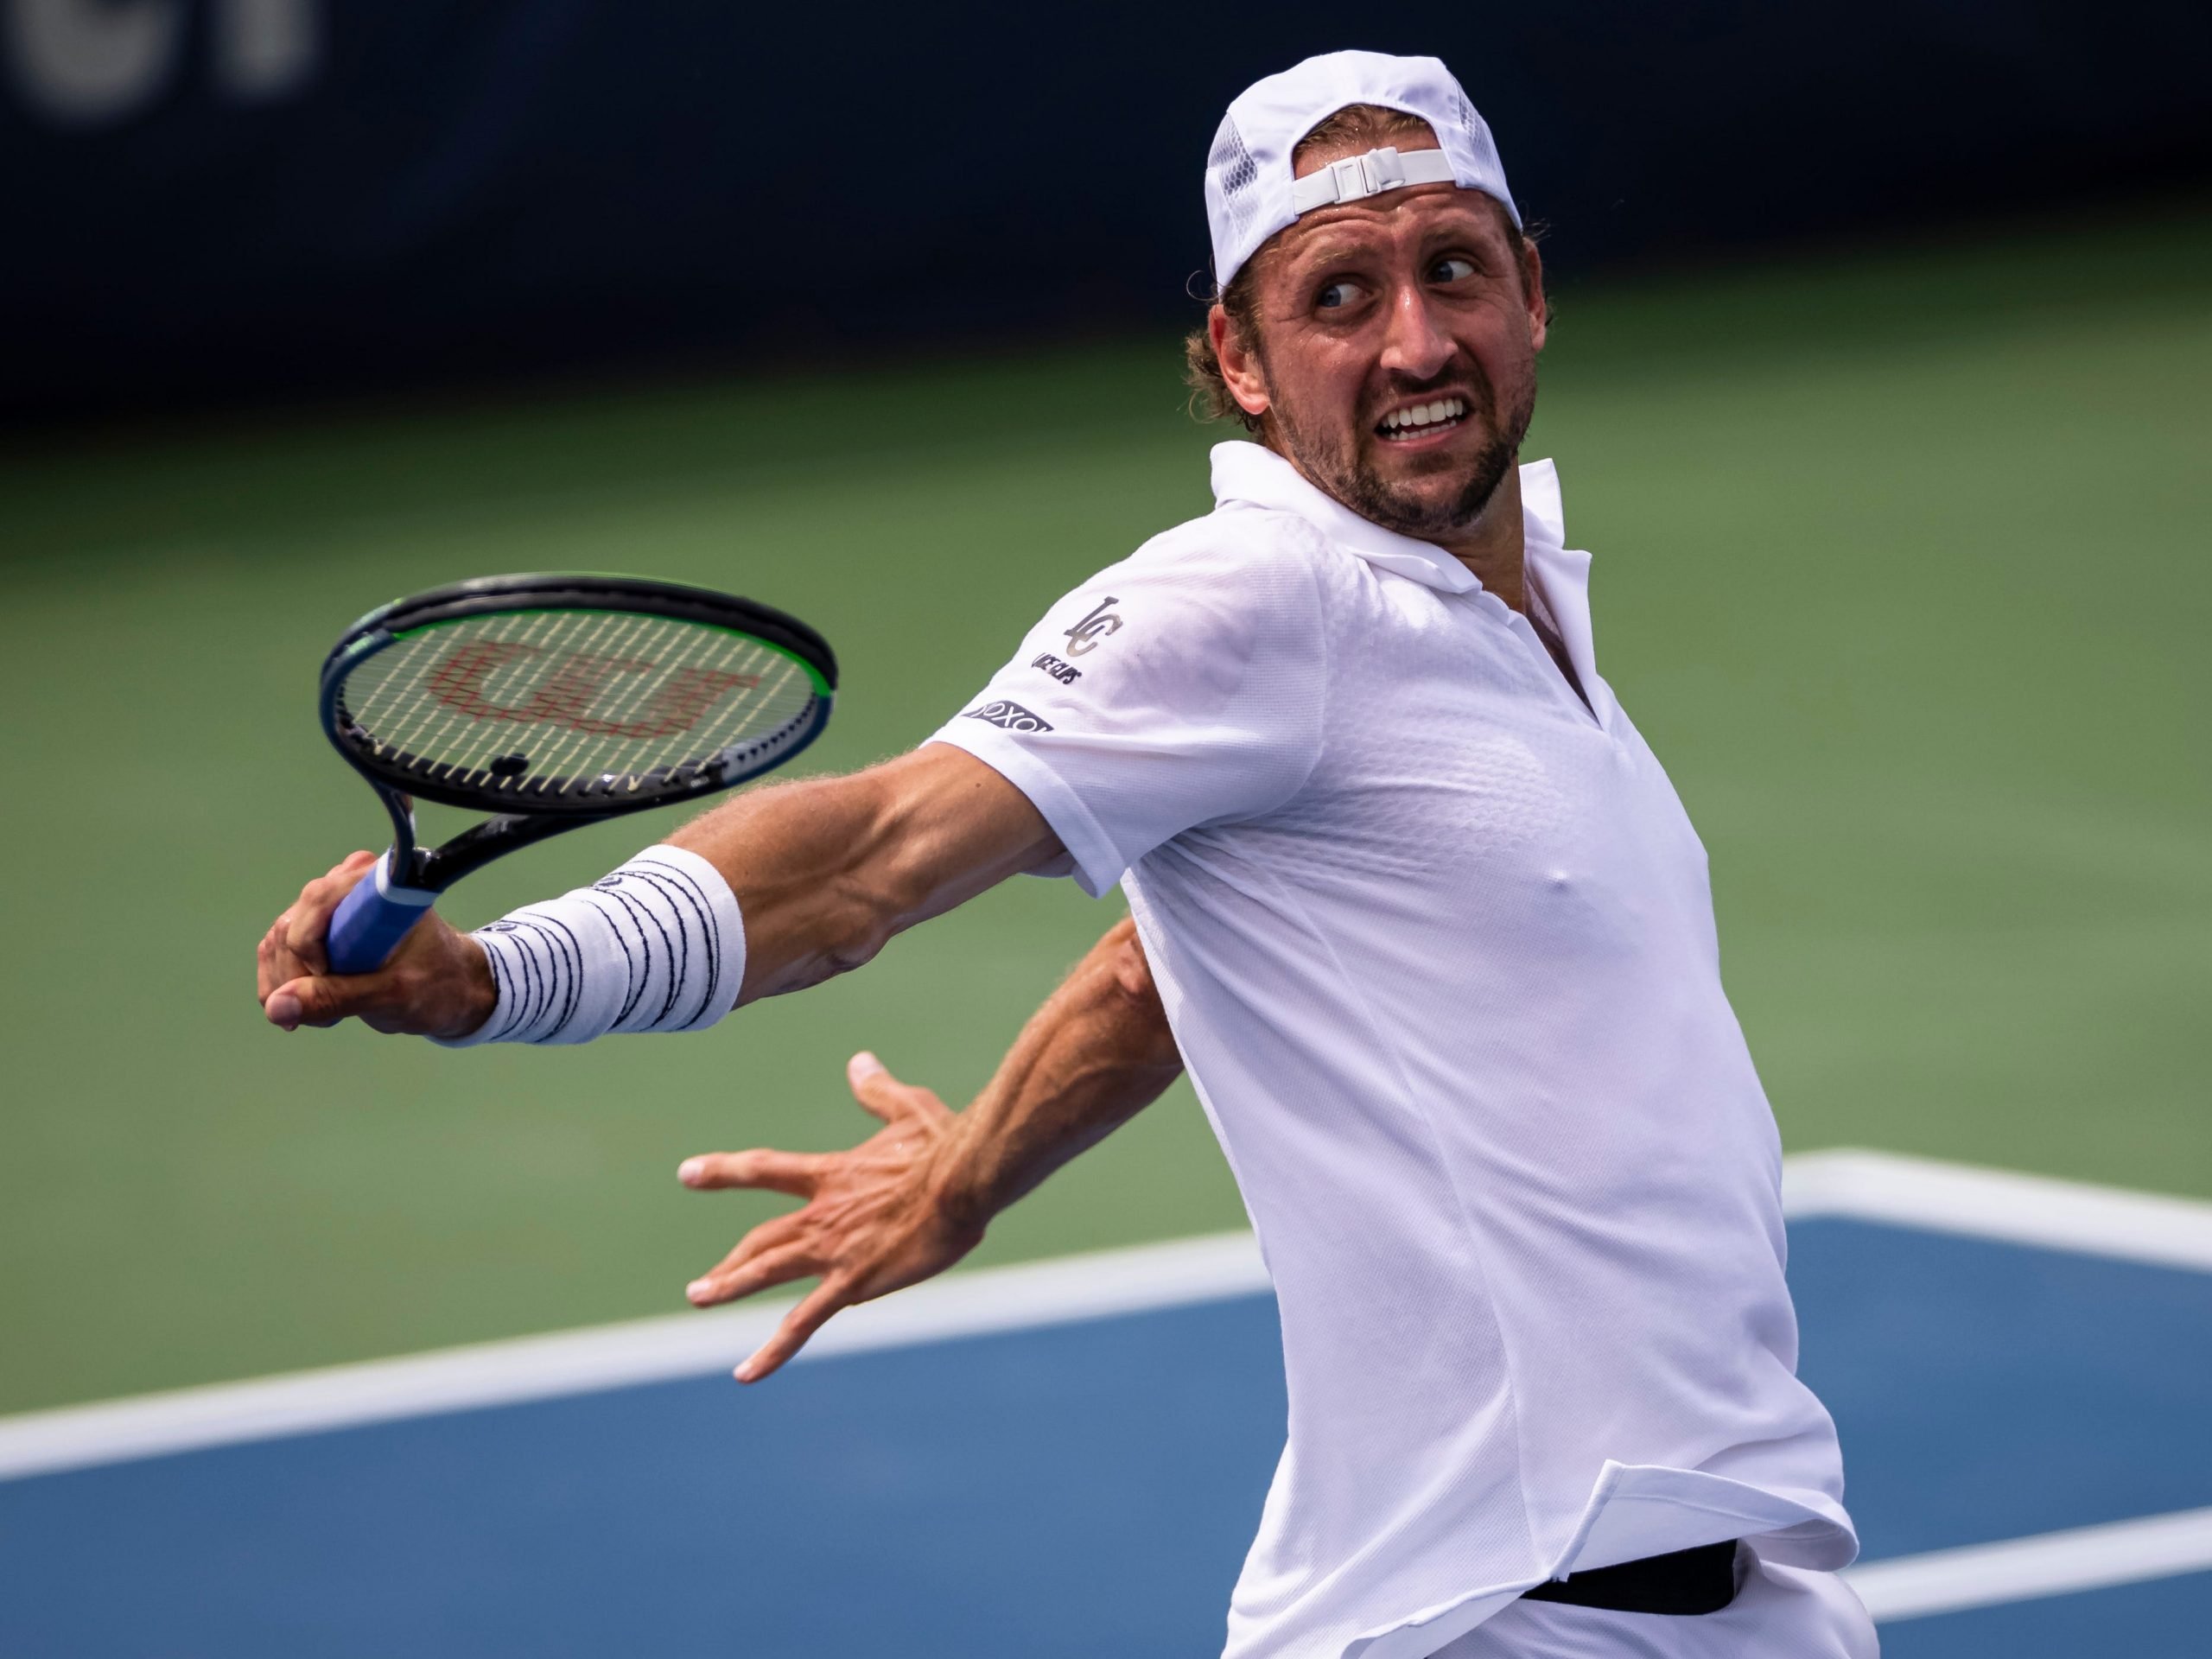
2001, 1205
1070, 1289
1876, 1186
2025, 1569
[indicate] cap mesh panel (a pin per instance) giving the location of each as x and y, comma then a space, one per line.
1236, 176
1484, 147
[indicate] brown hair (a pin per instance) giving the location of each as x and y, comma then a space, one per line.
1368, 123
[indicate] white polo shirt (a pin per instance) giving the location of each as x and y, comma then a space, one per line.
1437, 945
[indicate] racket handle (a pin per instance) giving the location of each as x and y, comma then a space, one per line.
372, 919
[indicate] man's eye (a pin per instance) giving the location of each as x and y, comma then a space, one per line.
1334, 296
1451, 269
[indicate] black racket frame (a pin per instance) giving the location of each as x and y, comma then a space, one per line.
433, 869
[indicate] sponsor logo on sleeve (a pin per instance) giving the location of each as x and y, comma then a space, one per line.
1065, 673
1086, 634
1008, 716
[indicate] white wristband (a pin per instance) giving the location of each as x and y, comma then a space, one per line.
658, 945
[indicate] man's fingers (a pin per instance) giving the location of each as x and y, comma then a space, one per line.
730, 1284
304, 928
771, 1235
266, 977
293, 946
795, 1172
801, 1323
878, 1093
274, 961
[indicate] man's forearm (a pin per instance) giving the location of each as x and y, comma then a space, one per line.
1097, 1053
827, 871
820, 875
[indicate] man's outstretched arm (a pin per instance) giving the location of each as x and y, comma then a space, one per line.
916, 1197
825, 872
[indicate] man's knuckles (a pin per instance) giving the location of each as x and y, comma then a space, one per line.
303, 932
329, 888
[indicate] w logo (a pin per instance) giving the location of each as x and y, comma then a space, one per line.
570, 690
1086, 634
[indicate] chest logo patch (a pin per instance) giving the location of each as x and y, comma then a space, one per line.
1008, 716
1086, 634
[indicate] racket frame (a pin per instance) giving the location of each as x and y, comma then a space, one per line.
410, 875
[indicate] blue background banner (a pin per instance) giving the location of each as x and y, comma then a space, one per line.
211, 198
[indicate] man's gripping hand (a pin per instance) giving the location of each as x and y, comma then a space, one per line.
877, 1218
437, 983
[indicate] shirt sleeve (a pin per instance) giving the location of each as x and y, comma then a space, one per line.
1181, 687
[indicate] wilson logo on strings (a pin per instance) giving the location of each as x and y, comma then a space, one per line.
574, 683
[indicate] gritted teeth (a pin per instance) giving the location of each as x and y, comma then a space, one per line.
1443, 411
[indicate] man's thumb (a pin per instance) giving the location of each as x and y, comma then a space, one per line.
872, 1085
307, 1002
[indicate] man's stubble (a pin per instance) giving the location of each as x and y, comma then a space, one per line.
1342, 472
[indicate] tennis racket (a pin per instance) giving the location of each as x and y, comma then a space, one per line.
551, 702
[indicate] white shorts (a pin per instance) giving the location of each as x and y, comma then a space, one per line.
1780, 1612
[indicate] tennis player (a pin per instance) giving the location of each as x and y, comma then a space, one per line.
1410, 896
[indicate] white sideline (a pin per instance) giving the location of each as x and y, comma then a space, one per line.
1069, 1289
2000, 1204
2025, 1569
1871, 1186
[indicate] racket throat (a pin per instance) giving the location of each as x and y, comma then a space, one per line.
404, 865
392, 889
477, 846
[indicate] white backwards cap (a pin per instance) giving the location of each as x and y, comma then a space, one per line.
1250, 192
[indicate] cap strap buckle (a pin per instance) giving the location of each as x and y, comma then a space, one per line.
1358, 176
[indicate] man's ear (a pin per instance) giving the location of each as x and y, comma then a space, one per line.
1240, 364
1532, 287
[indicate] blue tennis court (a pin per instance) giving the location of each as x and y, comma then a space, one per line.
1086, 1488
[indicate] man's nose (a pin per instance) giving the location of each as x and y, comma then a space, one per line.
1414, 347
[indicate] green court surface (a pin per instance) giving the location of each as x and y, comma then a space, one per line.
1901, 565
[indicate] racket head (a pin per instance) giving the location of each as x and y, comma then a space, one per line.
573, 696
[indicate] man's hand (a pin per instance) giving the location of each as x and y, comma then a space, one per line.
877, 1218
915, 1196
437, 983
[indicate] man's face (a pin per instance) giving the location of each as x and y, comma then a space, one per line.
1396, 353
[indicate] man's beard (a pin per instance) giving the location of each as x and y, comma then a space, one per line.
1342, 472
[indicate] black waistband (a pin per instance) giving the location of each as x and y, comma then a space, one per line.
1699, 1581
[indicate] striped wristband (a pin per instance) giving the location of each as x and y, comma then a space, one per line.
658, 945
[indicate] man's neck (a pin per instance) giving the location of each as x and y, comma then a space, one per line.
1492, 546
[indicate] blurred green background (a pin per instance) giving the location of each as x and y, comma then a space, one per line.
1901, 566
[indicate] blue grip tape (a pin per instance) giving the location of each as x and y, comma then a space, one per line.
372, 920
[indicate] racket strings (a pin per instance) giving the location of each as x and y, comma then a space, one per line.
651, 704
482, 650
537, 700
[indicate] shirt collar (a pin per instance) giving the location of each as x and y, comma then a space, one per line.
1559, 575
1254, 475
